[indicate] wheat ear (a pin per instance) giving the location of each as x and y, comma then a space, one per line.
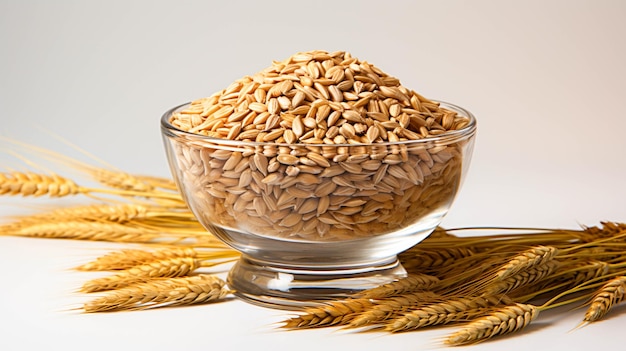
522, 278
608, 229
412, 282
83, 230
390, 307
167, 268
129, 258
505, 320
161, 292
100, 212
444, 312
534, 256
329, 314
421, 259
35, 184
118, 179
611, 294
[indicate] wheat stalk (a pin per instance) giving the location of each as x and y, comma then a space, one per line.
167, 268
411, 282
161, 292
505, 320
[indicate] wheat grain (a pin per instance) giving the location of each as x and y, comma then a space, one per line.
611, 294
161, 292
505, 320
167, 268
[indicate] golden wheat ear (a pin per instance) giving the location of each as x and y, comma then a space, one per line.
412, 282
128, 258
107, 175
160, 293
504, 320
166, 268
609, 295
330, 314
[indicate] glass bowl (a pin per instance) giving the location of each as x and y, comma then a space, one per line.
317, 221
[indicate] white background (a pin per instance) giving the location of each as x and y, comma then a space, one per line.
546, 80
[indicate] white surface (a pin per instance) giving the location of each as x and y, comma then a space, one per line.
546, 80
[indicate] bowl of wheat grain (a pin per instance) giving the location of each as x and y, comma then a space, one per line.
319, 169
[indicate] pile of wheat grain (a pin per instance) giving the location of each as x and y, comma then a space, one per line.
324, 151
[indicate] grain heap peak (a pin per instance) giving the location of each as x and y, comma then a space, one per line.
318, 97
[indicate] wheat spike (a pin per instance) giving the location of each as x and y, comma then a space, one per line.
611, 294
161, 292
420, 259
534, 256
443, 312
390, 307
522, 278
83, 230
99, 212
167, 268
119, 180
329, 314
35, 184
412, 282
608, 229
505, 320
129, 258
589, 270
158, 182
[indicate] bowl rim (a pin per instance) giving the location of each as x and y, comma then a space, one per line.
448, 137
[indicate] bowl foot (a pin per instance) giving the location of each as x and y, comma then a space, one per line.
285, 287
